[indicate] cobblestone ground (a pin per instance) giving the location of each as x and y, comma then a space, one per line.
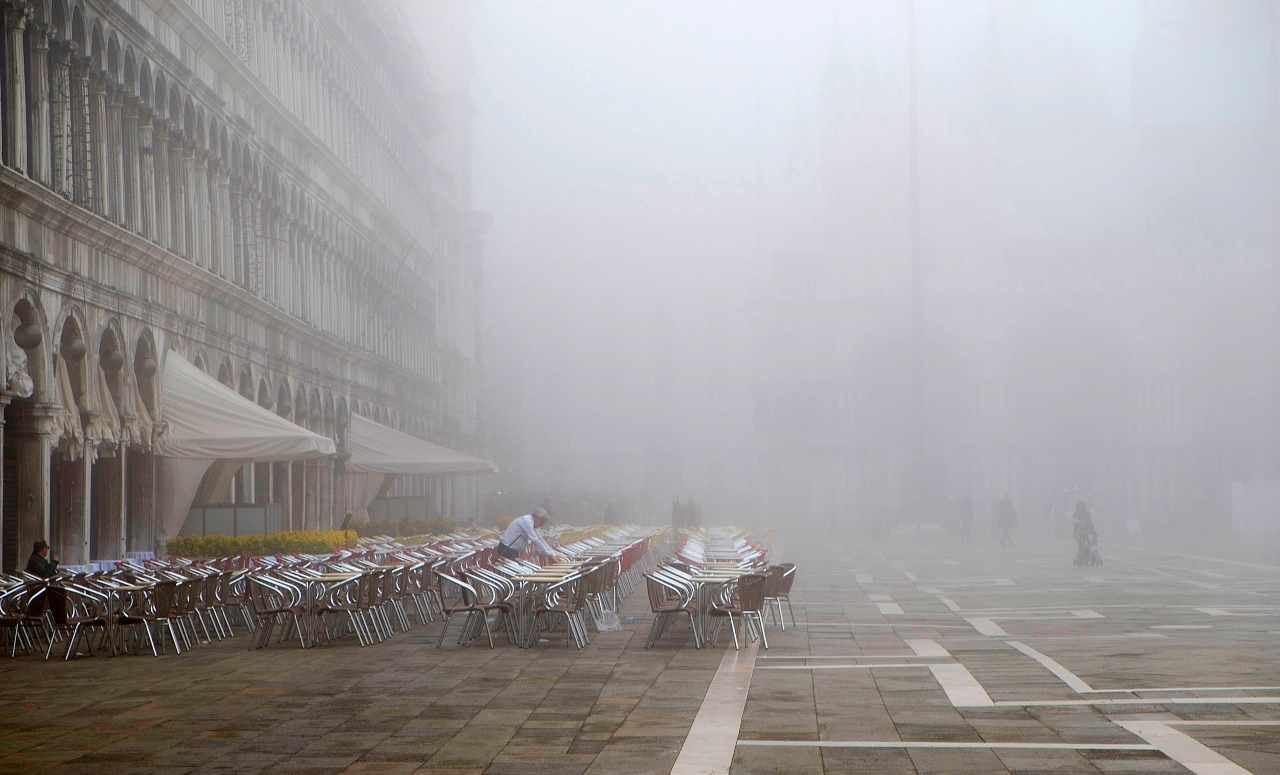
908, 661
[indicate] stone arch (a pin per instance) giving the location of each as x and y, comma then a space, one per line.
113, 57
284, 400
160, 100
200, 361
330, 424
246, 382
227, 373
129, 75
189, 126
59, 19
146, 367
264, 393
112, 356
30, 331
97, 48
201, 138
301, 409
78, 34
73, 347
175, 107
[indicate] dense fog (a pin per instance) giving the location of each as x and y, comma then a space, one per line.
862, 264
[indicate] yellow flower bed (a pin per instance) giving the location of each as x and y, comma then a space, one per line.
298, 542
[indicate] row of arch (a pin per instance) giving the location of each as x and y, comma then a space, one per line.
70, 340
112, 130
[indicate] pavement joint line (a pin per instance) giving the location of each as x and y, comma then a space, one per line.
1183, 749
890, 609
1191, 689
708, 748
944, 744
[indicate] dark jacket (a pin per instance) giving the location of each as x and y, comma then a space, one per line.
41, 566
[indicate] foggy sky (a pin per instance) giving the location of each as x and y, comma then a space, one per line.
697, 277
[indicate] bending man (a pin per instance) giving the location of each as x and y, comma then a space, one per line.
521, 532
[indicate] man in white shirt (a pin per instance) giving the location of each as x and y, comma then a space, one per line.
521, 532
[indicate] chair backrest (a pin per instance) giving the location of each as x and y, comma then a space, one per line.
751, 591
773, 581
788, 577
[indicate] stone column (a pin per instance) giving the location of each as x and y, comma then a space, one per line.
38, 112
160, 154
146, 177
235, 241
82, 169
177, 194
115, 155
129, 158
213, 206
198, 177
99, 146
186, 200
60, 116
227, 239
15, 110
249, 243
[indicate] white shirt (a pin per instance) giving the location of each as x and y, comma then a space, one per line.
521, 531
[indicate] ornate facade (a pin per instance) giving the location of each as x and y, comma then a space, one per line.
250, 183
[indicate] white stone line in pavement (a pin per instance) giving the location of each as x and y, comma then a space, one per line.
708, 748
926, 625
1053, 666
961, 687
840, 667
944, 745
1191, 689
921, 648
1218, 723
1211, 574
864, 578
1182, 626
927, 648
1242, 611
986, 627
1118, 636
878, 597
1183, 749
1139, 701
853, 656
890, 609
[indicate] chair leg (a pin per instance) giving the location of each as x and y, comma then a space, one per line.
445, 629
733, 628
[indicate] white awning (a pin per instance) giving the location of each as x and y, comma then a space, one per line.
377, 449
209, 421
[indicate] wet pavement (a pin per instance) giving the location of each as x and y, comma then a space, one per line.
905, 660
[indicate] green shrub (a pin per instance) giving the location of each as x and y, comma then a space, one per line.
297, 542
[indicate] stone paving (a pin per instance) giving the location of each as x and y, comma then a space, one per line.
1012, 662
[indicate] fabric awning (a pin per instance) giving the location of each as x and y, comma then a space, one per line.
377, 449
209, 421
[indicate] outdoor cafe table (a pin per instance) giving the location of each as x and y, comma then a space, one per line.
535, 584
708, 580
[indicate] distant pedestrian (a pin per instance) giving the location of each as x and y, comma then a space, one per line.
1086, 536
1006, 519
